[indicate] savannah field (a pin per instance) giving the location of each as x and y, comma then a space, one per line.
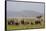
25, 23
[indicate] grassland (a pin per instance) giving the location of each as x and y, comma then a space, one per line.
26, 26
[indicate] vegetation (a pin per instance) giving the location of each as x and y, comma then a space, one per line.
25, 23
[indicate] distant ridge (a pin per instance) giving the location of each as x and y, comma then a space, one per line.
24, 13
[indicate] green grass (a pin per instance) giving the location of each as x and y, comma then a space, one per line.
14, 27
